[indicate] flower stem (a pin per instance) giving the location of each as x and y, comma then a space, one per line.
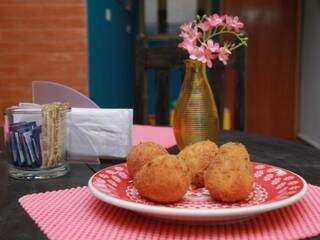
222, 31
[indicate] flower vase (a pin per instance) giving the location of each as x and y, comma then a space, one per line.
195, 115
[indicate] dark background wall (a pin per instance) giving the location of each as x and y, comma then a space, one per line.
111, 56
271, 72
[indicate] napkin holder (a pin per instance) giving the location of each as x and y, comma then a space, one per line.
93, 133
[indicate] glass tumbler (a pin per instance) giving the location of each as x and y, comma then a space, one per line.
36, 141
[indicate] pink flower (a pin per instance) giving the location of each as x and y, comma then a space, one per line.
224, 55
203, 55
187, 44
186, 27
233, 22
207, 57
197, 38
212, 46
187, 31
205, 26
215, 20
196, 53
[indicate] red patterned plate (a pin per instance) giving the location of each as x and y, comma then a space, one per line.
274, 188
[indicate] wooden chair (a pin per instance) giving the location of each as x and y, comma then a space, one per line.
166, 57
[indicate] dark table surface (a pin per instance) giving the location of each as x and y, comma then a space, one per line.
15, 223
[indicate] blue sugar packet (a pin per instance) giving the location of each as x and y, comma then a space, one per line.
25, 149
14, 141
22, 146
22, 161
19, 152
30, 148
35, 149
13, 149
35, 140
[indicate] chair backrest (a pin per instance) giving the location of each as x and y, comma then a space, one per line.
165, 57
45, 92
162, 59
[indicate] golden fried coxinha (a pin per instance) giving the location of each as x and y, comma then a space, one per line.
164, 179
160, 177
198, 157
229, 177
141, 154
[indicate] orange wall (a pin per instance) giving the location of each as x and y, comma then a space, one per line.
272, 63
41, 40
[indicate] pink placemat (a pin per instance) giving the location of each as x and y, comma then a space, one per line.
76, 214
161, 135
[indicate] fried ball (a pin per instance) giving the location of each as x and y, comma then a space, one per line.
198, 157
141, 154
164, 179
229, 177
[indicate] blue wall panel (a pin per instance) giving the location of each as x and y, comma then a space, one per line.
110, 50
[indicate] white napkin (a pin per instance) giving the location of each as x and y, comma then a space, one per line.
102, 133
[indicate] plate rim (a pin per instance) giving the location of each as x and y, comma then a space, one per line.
196, 212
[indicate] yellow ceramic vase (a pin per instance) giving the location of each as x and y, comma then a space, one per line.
195, 115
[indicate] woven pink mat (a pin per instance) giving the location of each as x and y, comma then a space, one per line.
76, 214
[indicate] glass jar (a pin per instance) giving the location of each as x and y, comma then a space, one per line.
36, 140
